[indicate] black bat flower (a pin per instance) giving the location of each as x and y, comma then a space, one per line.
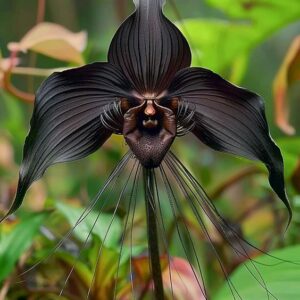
147, 92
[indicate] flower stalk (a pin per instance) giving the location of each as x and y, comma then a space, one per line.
154, 256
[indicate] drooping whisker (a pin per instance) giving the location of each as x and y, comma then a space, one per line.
184, 187
230, 236
120, 199
107, 188
131, 241
105, 201
184, 117
219, 219
197, 198
132, 201
176, 209
163, 231
155, 202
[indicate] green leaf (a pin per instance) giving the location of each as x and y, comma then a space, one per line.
16, 242
216, 43
98, 225
83, 272
290, 145
12, 117
290, 163
281, 278
100, 277
220, 43
290, 148
105, 273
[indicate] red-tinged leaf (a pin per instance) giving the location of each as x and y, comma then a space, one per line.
183, 280
287, 74
53, 40
179, 279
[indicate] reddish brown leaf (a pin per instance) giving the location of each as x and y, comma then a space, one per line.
287, 74
179, 279
183, 280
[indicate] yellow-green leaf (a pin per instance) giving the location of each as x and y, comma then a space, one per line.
53, 40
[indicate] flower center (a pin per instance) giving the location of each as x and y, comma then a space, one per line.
150, 115
149, 129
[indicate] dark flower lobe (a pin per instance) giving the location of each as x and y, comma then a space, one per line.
230, 119
149, 48
66, 119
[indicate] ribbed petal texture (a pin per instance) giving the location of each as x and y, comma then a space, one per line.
230, 119
66, 119
149, 48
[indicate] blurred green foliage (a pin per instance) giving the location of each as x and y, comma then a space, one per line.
280, 279
245, 41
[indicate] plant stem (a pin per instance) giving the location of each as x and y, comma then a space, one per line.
41, 8
41, 11
21, 95
152, 233
9, 87
121, 9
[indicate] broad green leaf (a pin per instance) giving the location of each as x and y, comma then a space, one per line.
281, 278
216, 43
220, 43
16, 242
259, 10
105, 226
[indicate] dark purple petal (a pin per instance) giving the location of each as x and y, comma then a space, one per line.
66, 119
230, 119
149, 48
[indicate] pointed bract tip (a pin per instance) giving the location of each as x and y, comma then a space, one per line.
149, 3
18, 199
290, 216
